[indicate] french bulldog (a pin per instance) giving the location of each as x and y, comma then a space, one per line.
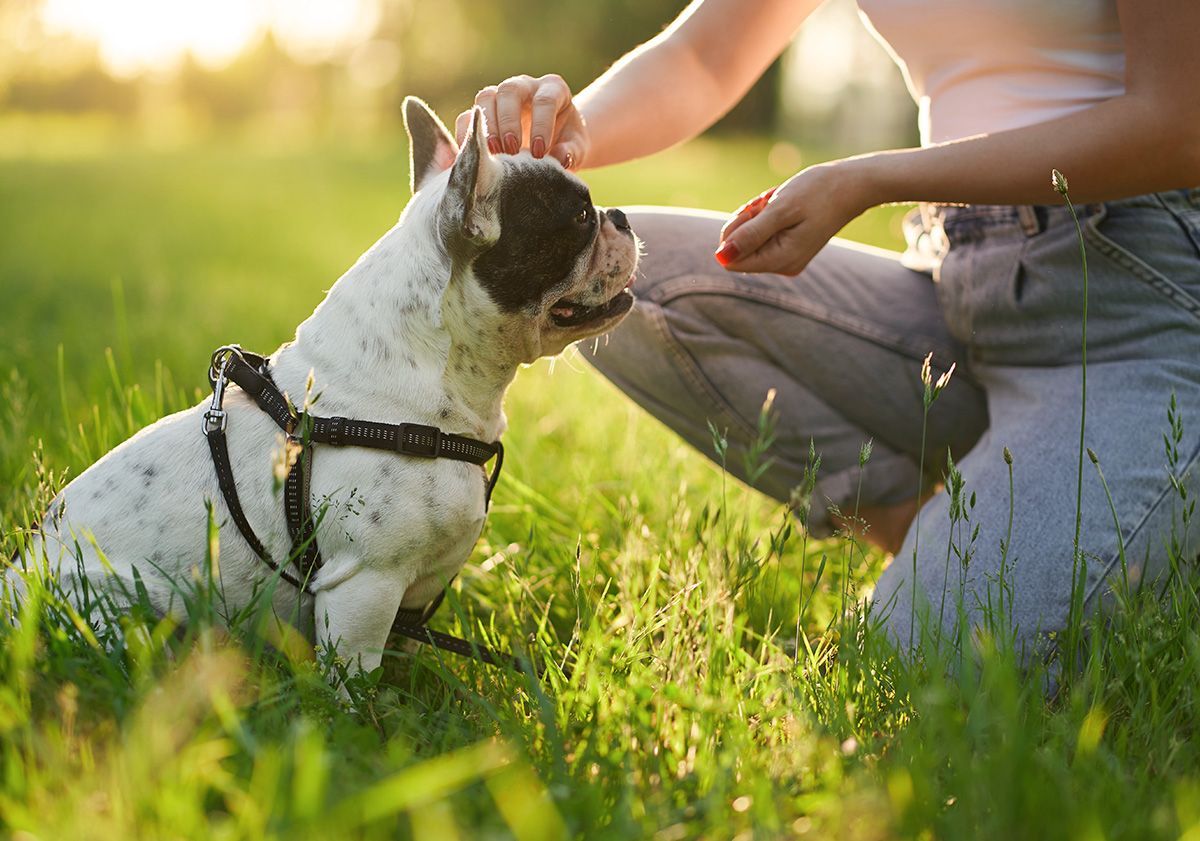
496, 261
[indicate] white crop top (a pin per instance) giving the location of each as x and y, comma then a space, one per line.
982, 66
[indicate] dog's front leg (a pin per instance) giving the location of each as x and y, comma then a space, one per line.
355, 616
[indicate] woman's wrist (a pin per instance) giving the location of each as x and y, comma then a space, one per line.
861, 182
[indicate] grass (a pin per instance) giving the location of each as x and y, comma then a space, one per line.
719, 690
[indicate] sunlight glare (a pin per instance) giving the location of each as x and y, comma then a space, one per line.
138, 35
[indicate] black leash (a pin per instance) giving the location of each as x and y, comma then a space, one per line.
251, 372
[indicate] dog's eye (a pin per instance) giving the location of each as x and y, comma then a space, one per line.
583, 216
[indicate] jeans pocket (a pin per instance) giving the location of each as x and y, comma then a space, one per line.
980, 291
1153, 245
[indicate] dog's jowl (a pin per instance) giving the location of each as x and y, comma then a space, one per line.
496, 261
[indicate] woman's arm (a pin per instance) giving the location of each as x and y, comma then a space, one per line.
664, 92
679, 83
1146, 140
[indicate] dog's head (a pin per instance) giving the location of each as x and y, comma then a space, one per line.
535, 263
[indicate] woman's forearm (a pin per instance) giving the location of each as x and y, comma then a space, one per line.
653, 98
679, 83
1122, 147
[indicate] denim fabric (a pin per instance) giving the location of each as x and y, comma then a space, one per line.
1001, 295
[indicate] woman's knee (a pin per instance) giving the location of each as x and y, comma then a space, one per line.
674, 243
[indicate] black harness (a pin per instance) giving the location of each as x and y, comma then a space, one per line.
251, 372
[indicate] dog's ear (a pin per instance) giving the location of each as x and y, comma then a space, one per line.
431, 148
469, 205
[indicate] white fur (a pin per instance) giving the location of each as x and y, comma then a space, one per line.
397, 339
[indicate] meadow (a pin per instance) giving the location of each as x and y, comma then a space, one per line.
723, 684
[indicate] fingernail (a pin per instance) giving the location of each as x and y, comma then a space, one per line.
494, 145
727, 253
512, 145
538, 147
569, 161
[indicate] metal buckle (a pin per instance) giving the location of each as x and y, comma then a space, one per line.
418, 448
215, 421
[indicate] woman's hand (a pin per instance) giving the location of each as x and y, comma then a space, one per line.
785, 227
544, 106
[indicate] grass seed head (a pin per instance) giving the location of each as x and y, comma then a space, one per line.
1058, 181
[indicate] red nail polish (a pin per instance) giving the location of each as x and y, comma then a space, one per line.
727, 253
569, 161
538, 147
511, 144
494, 145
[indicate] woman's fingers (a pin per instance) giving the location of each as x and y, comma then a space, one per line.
746, 212
544, 104
550, 99
748, 236
512, 98
786, 252
485, 100
569, 151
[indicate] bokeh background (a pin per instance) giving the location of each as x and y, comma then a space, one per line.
304, 68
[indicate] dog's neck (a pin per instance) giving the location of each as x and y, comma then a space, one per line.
380, 346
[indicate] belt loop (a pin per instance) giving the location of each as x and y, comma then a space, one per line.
1028, 217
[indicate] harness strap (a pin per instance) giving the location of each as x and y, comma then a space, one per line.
251, 373
297, 508
215, 421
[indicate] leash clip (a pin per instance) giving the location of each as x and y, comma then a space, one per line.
215, 418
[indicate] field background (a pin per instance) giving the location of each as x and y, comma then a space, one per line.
695, 709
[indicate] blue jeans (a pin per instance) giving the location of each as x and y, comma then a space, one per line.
997, 290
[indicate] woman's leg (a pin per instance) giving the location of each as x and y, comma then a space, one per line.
1014, 291
841, 345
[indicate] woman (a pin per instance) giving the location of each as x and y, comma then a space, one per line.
1104, 90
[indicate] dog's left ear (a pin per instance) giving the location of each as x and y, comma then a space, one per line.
469, 205
431, 148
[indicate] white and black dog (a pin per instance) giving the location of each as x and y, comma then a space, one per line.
496, 261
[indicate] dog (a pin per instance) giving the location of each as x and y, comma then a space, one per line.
496, 261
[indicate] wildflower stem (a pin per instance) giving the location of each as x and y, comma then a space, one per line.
1078, 568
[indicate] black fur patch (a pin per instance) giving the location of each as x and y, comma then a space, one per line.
546, 221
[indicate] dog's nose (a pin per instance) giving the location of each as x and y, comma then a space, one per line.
618, 219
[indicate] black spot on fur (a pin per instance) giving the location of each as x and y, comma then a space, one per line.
547, 220
376, 517
444, 414
149, 471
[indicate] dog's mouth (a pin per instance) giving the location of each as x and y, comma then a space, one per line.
570, 314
